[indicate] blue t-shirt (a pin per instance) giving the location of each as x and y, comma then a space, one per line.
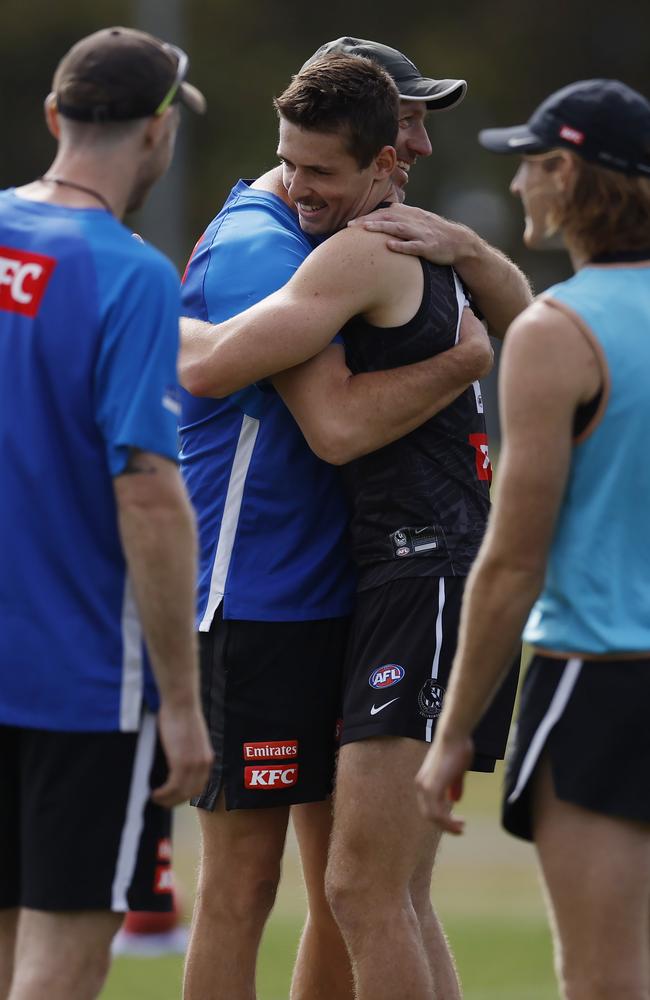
88, 347
272, 517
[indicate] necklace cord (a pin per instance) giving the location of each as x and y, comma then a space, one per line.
78, 187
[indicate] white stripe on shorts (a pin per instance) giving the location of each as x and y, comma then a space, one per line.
558, 704
134, 821
435, 666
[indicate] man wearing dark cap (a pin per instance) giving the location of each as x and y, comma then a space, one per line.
566, 556
97, 534
274, 542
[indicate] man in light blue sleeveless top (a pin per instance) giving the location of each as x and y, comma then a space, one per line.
570, 539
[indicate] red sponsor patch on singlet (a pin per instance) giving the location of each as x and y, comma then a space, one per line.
23, 280
483, 466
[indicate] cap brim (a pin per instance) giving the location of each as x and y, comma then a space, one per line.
438, 95
192, 98
518, 139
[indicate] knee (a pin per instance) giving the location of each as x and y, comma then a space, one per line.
247, 894
345, 902
56, 976
358, 900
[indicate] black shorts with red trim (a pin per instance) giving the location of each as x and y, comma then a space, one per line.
591, 718
271, 695
402, 643
78, 830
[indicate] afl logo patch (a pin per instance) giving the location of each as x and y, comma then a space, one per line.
430, 699
386, 676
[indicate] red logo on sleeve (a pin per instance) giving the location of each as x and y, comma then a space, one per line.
23, 280
483, 467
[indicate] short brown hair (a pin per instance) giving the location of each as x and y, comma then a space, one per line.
347, 93
606, 211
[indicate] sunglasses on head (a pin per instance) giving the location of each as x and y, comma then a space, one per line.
181, 72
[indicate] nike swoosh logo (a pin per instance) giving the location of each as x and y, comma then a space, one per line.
374, 711
519, 141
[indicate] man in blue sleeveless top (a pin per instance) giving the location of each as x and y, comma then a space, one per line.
97, 534
570, 539
328, 186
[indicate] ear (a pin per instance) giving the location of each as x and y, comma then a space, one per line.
385, 161
51, 115
158, 126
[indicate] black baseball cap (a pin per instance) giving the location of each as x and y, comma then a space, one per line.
439, 95
118, 74
603, 121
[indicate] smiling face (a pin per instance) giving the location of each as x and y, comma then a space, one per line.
324, 180
538, 184
412, 140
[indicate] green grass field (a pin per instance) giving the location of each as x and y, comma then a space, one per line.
485, 889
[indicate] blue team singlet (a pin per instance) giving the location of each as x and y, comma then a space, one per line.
272, 517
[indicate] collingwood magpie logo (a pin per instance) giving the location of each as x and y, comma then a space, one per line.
430, 699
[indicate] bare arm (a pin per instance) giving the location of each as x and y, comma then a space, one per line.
341, 279
547, 369
158, 537
499, 288
343, 416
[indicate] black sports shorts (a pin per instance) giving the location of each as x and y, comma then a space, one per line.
78, 830
591, 718
271, 696
402, 642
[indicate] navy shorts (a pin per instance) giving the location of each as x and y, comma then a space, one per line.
271, 695
78, 830
402, 643
591, 718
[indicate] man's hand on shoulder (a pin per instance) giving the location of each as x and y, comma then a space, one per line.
424, 234
499, 288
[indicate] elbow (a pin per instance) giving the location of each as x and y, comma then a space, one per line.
333, 445
193, 377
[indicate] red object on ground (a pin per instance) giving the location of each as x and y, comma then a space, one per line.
144, 922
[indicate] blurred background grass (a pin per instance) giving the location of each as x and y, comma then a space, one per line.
485, 889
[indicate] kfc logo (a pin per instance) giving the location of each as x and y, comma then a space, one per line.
23, 280
483, 468
271, 750
270, 777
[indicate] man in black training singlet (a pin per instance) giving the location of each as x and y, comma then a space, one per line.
419, 503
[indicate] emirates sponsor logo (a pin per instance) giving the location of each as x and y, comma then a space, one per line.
23, 280
270, 777
271, 750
